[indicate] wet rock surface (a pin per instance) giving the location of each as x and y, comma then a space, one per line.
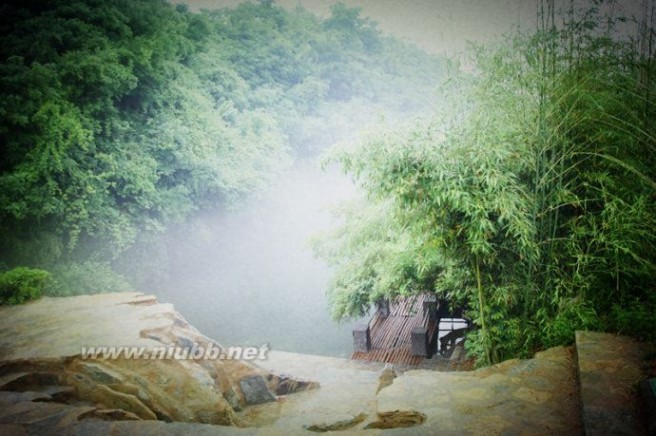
338, 423
386, 377
283, 384
515, 397
46, 387
45, 380
519, 396
397, 419
255, 390
611, 369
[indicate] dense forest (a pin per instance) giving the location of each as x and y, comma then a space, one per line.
528, 197
121, 118
530, 202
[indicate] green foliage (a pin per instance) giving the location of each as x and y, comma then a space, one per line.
22, 284
635, 318
121, 118
366, 254
85, 278
572, 315
529, 200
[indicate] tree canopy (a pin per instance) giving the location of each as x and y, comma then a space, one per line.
121, 117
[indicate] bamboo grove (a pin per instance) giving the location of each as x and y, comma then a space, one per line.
529, 199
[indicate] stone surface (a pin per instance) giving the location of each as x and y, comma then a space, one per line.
39, 418
284, 384
502, 399
458, 353
610, 369
516, 397
43, 418
51, 327
42, 344
386, 377
255, 390
43, 392
397, 419
348, 390
338, 423
7, 398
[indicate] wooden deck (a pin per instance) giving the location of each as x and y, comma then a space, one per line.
390, 336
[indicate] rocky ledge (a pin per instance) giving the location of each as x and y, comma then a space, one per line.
47, 385
51, 380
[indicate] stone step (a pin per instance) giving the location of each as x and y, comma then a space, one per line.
610, 370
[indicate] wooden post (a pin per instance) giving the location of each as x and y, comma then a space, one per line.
430, 305
361, 338
383, 308
419, 341
442, 309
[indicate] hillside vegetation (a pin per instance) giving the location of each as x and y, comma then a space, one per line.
530, 200
122, 117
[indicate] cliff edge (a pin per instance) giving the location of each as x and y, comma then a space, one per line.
123, 357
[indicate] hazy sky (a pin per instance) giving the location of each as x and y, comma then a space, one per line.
435, 25
438, 26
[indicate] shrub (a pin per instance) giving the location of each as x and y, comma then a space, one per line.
574, 314
636, 318
21, 284
85, 278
